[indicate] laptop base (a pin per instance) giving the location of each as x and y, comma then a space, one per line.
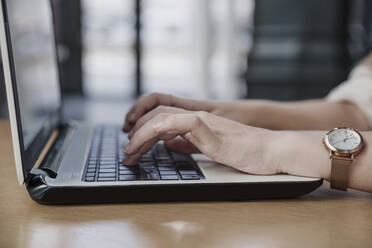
44, 194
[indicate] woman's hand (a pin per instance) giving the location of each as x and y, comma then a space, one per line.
225, 141
149, 102
241, 111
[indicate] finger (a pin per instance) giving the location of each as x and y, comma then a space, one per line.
127, 127
127, 123
149, 115
182, 145
143, 105
191, 125
134, 158
147, 103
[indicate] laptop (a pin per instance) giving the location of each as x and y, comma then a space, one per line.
61, 161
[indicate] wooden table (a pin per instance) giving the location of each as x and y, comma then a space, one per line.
324, 218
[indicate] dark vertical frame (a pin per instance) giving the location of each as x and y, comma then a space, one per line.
68, 30
367, 22
3, 112
138, 47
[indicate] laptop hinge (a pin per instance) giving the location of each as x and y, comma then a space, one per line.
49, 160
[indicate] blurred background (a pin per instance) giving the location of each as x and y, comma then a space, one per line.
112, 51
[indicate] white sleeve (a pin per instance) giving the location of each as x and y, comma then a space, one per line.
357, 89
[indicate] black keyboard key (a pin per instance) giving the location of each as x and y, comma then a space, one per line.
89, 179
190, 177
107, 175
166, 168
92, 168
106, 179
188, 172
107, 166
127, 178
169, 177
103, 170
108, 161
168, 172
123, 167
127, 172
90, 174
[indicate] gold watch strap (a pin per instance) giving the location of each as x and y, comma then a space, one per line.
340, 173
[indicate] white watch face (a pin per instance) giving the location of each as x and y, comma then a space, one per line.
344, 139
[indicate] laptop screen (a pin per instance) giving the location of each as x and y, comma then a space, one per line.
32, 80
35, 66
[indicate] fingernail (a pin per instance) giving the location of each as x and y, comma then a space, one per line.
158, 126
124, 129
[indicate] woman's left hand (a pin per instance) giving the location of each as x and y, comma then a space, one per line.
228, 142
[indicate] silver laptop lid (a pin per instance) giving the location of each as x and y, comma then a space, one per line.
31, 77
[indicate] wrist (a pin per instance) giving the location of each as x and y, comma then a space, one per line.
301, 153
246, 112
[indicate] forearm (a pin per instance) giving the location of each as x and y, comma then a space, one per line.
302, 153
300, 115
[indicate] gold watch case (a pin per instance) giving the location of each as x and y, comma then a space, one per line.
346, 154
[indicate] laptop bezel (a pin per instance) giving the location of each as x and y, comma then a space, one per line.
25, 157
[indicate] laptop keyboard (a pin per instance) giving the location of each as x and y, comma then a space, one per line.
106, 155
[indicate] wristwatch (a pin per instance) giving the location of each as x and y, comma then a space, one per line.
343, 144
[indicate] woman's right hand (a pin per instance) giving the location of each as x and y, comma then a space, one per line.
149, 102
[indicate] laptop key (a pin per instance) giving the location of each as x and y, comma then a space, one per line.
127, 177
106, 170
100, 175
166, 169
188, 172
169, 177
107, 166
90, 174
123, 167
168, 172
127, 172
107, 161
106, 179
190, 177
89, 179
